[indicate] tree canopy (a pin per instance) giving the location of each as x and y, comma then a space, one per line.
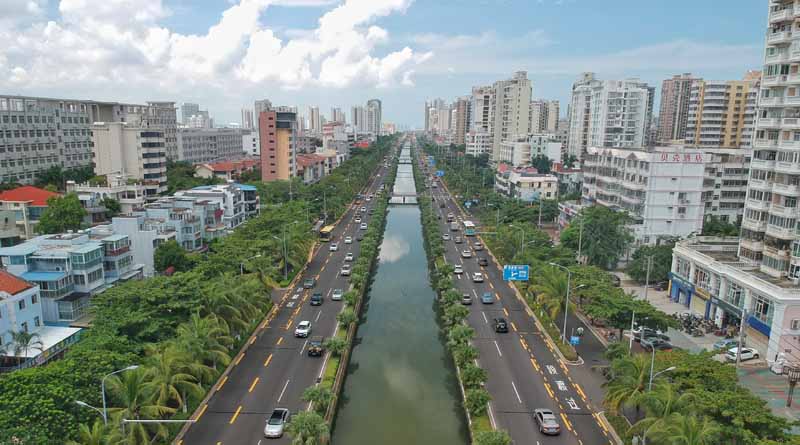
660, 265
63, 213
605, 237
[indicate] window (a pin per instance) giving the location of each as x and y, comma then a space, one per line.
34, 299
25, 326
795, 324
762, 308
36, 321
21, 304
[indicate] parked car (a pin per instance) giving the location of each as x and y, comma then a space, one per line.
661, 285
466, 253
726, 343
345, 271
638, 334
334, 247
458, 240
648, 343
487, 298
546, 421
746, 354
276, 422
303, 329
348, 240
477, 277
458, 269
336, 295
446, 236
466, 299
482, 261
500, 325
349, 256
308, 283
316, 346
360, 237
478, 246
363, 209
316, 299
363, 226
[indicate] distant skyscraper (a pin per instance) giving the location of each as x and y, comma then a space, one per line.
462, 118
512, 106
247, 118
374, 116
261, 106
674, 110
337, 115
188, 110
722, 112
358, 118
544, 116
314, 120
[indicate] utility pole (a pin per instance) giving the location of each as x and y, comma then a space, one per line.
540, 210
580, 243
630, 343
741, 338
647, 279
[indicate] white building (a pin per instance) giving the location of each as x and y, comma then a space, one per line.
512, 105
231, 198
198, 145
251, 143
121, 148
129, 196
516, 152
544, 116
478, 143
526, 186
546, 144
374, 112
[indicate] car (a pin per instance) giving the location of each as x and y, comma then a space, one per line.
363, 226
466, 299
303, 329
371, 211
661, 285
746, 354
276, 422
639, 334
446, 236
466, 253
546, 421
477, 277
316, 299
369, 198
458, 240
442, 205
482, 261
648, 343
349, 256
360, 237
363, 209
449, 217
458, 269
334, 247
477, 246
726, 343
487, 298
348, 240
308, 283
316, 346
336, 295
500, 325
345, 271
357, 220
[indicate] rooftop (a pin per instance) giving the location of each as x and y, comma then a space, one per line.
11, 284
28, 193
49, 336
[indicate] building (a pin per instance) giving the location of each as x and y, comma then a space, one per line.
227, 170
390, 128
152, 115
374, 112
525, 184
482, 110
608, 113
725, 184
260, 106
201, 120
516, 151
722, 113
247, 119
544, 116
128, 195
545, 144
199, 145
314, 120
570, 180
277, 131
187, 111
337, 115
126, 149
311, 167
188, 221
26, 204
462, 119
230, 198
673, 114
251, 144
512, 104
358, 118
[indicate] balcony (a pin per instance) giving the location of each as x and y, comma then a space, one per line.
778, 57
788, 143
786, 189
786, 212
782, 15
787, 167
791, 100
776, 38
780, 232
117, 252
774, 101
762, 164
793, 78
790, 123
764, 143
755, 246
751, 224
769, 122
756, 204
776, 253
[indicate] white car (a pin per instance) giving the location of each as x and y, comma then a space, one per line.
446, 236
276, 422
334, 247
357, 220
458, 269
369, 198
337, 294
303, 329
746, 354
349, 256
477, 277
466, 253
363, 210
363, 226
348, 240
345, 270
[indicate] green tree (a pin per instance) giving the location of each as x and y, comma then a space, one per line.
94, 435
630, 376
171, 254
135, 398
464, 353
551, 290
22, 342
660, 265
112, 206
308, 428
460, 335
206, 338
659, 403
336, 345
492, 438
454, 314
476, 400
319, 395
170, 375
472, 375
569, 161
346, 316
687, 429
62, 214
714, 226
542, 163
605, 235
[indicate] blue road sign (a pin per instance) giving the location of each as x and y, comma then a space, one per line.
432, 161
467, 204
515, 272
574, 340
440, 173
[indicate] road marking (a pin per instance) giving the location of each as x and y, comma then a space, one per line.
304, 347
498, 348
289, 323
252, 339
329, 292
253, 385
280, 340
491, 417
224, 379
235, 415
580, 391
485, 320
505, 311
549, 390
202, 411
475, 293
535, 364
241, 356
566, 421
513, 326
283, 390
519, 399
318, 314
523, 343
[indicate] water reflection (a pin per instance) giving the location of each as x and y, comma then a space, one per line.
393, 248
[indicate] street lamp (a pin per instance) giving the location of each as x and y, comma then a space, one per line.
285, 250
86, 405
653, 376
241, 265
103, 388
566, 301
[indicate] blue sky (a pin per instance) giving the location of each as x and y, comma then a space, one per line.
401, 51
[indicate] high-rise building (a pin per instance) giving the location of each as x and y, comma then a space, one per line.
374, 116
314, 121
609, 113
277, 133
544, 116
512, 106
133, 150
247, 119
462, 119
260, 106
199, 145
722, 112
358, 118
674, 110
337, 115
188, 110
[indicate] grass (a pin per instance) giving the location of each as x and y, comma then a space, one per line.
566, 349
481, 423
330, 372
620, 425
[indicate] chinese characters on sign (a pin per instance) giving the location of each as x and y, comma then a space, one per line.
696, 158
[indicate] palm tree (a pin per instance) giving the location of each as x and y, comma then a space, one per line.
206, 338
308, 428
94, 435
318, 395
336, 345
22, 342
137, 398
169, 374
551, 289
659, 403
687, 429
628, 382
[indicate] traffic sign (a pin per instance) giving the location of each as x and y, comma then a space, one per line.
440, 173
432, 161
516, 272
574, 340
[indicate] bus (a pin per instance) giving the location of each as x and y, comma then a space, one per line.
326, 233
469, 228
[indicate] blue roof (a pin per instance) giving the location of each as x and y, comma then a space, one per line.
247, 188
43, 276
202, 187
19, 249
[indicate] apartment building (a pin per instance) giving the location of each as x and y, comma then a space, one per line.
160, 116
515, 151
187, 220
512, 104
311, 167
374, 110
358, 118
199, 145
238, 202
461, 119
251, 143
314, 120
188, 110
545, 144
673, 114
227, 170
127, 149
25, 206
722, 112
478, 143
525, 184
337, 115
544, 116
609, 113
725, 183
277, 133
118, 188
247, 119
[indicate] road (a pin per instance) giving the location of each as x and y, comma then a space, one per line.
524, 372
275, 370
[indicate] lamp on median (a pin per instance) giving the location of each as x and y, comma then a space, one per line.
86, 405
566, 301
241, 265
653, 376
103, 388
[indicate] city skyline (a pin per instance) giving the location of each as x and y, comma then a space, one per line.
400, 53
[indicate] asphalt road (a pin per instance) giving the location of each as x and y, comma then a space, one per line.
275, 370
524, 372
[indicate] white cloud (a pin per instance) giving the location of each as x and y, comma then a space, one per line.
122, 43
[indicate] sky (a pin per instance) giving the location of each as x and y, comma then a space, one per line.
224, 54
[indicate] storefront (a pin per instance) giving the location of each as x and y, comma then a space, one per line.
701, 302
681, 290
724, 314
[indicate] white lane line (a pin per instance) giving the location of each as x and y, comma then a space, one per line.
329, 293
491, 419
318, 314
519, 399
485, 320
283, 390
474, 293
498, 348
304, 347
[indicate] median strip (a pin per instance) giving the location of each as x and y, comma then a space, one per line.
235, 415
253, 385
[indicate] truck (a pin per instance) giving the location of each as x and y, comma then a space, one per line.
454, 226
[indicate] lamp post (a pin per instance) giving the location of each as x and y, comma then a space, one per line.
566, 301
653, 376
241, 265
794, 377
647, 278
285, 250
103, 388
86, 405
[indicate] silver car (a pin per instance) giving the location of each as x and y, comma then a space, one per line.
546, 421
276, 423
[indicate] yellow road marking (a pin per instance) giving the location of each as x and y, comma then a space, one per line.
289, 324
505, 311
566, 421
253, 385
280, 340
180, 442
549, 390
252, 339
580, 391
236, 414
522, 342
202, 411
535, 364
600, 422
224, 379
491, 285
513, 326
269, 359
240, 358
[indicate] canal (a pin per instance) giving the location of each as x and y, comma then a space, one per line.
401, 386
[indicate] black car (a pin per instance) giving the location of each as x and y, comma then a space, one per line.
316, 346
316, 299
360, 236
661, 285
482, 261
309, 283
500, 325
442, 205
